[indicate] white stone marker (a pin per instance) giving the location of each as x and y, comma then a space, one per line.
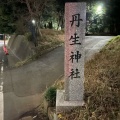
75, 21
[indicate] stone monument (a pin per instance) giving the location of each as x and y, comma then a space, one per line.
75, 22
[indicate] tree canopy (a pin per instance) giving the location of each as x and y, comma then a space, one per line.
16, 14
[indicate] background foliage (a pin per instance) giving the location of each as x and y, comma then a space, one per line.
16, 15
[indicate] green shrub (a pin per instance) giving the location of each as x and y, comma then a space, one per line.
50, 95
28, 36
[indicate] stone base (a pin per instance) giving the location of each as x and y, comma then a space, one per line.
65, 106
27, 118
51, 113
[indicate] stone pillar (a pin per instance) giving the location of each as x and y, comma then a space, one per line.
75, 21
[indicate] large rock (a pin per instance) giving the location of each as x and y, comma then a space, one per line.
20, 46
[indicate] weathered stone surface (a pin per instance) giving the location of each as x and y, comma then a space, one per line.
118, 117
51, 113
47, 104
20, 47
75, 20
27, 118
63, 105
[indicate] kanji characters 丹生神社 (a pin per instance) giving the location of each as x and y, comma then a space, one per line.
75, 40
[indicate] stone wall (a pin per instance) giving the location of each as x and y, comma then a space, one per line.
20, 47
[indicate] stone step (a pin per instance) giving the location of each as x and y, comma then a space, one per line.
52, 113
26, 118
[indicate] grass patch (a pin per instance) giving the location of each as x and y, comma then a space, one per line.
48, 41
51, 32
102, 86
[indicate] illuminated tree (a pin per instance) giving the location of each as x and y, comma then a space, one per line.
95, 17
